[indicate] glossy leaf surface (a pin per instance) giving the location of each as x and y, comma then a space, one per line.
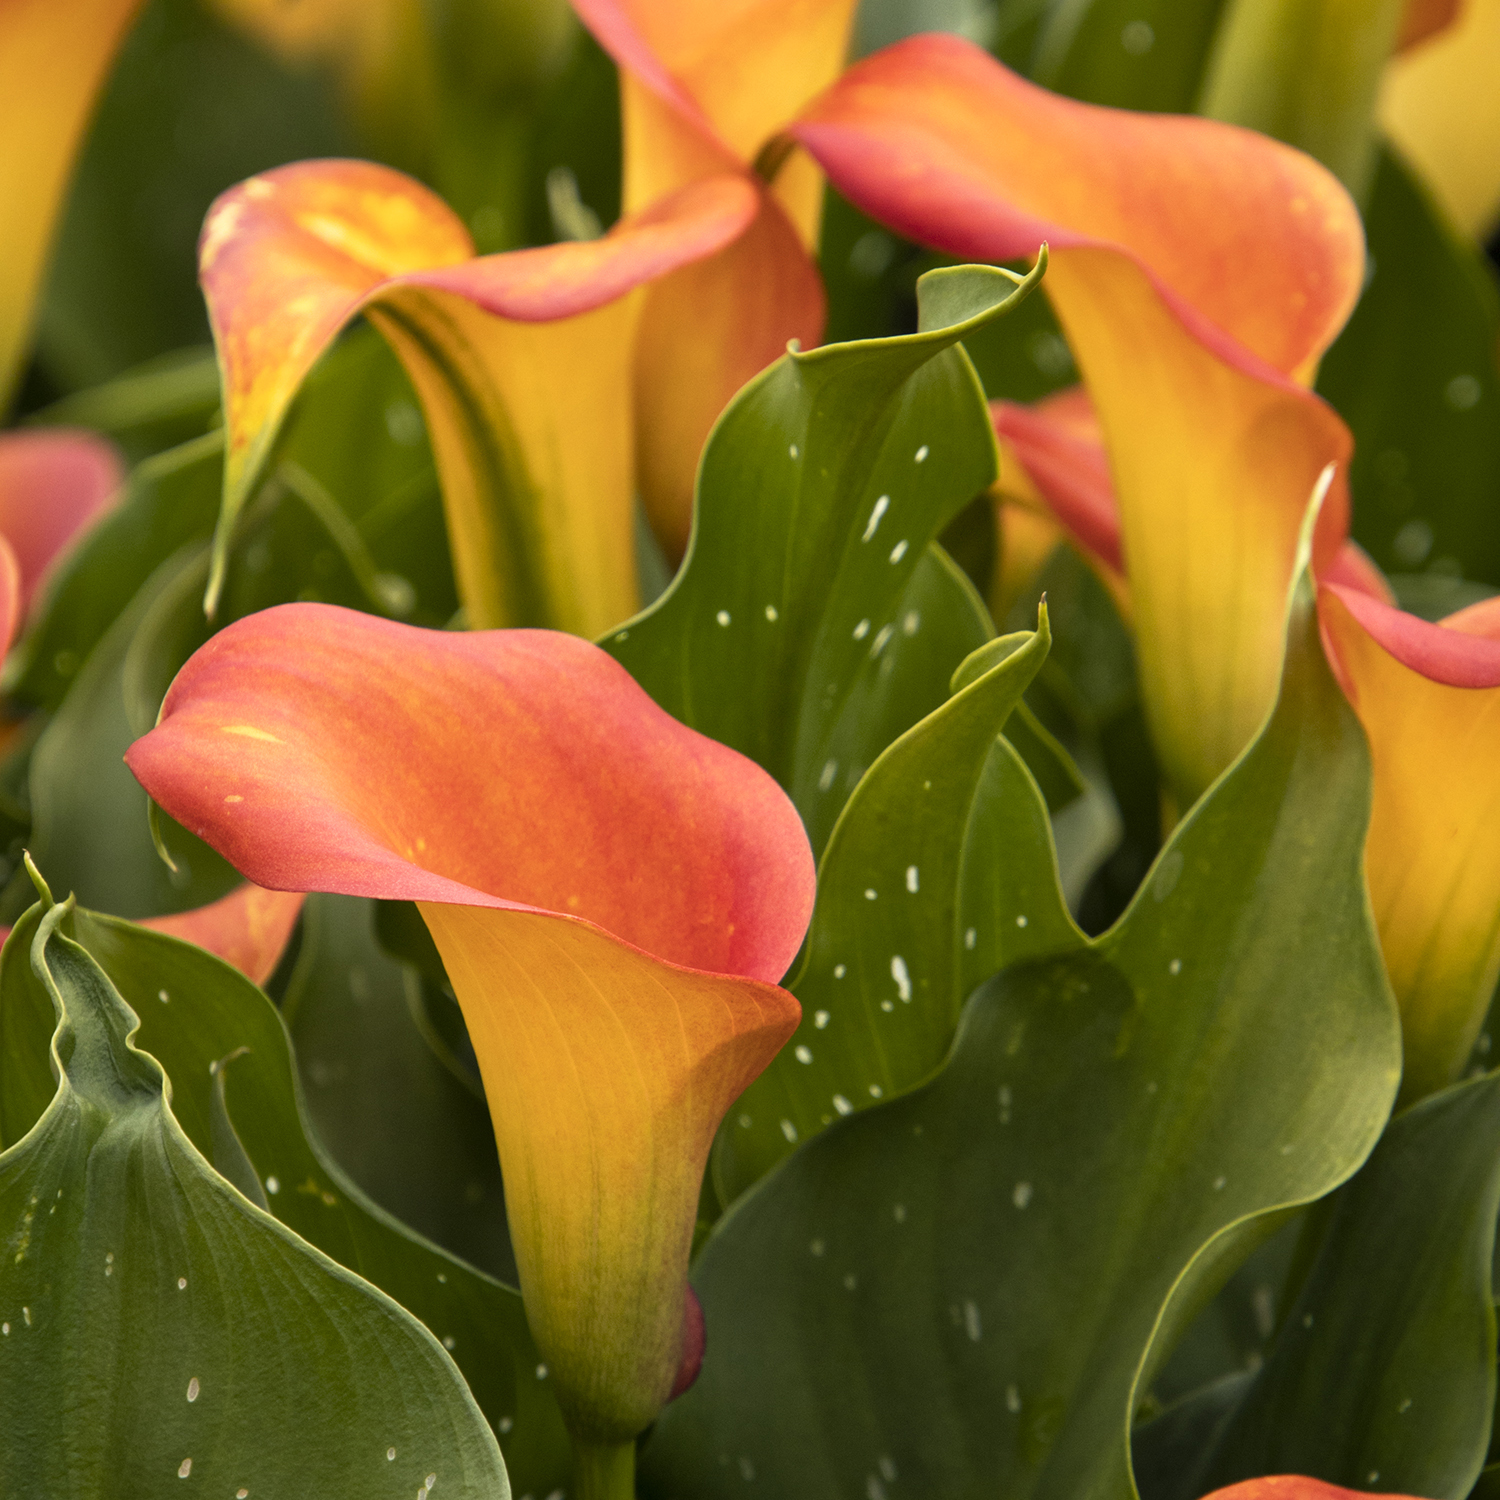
811, 623
889, 960
1385, 1363
230, 1063
125, 1226
993, 1262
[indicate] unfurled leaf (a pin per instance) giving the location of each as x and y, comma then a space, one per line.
54, 55
1192, 337
1429, 699
812, 622
891, 955
967, 1288
157, 1327
521, 361
612, 895
1383, 1371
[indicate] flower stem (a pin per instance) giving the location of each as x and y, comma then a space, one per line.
603, 1473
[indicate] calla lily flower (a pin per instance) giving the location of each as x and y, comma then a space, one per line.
1429, 699
521, 362
704, 89
614, 897
1289, 1487
1199, 272
54, 55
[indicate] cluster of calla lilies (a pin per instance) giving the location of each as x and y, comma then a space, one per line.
616, 897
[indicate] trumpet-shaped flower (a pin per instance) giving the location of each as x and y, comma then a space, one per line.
614, 897
521, 362
1429, 699
1199, 272
704, 88
54, 55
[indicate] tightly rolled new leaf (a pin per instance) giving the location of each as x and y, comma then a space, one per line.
1199, 272
521, 361
54, 55
613, 894
703, 88
1429, 699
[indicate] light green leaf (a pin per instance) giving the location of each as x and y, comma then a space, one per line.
156, 1326
813, 622
967, 1289
891, 954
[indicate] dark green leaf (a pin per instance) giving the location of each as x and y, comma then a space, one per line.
195, 1014
1383, 1374
812, 621
159, 1327
1414, 374
967, 1288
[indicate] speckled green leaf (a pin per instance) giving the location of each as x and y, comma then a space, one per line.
891, 953
156, 1327
963, 1292
1414, 374
198, 1016
1383, 1373
813, 622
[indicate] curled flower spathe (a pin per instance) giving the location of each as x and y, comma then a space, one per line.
614, 897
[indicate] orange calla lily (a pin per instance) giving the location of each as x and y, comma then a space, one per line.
1289, 1487
54, 55
521, 361
54, 483
703, 89
613, 894
1429, 699
1199, 272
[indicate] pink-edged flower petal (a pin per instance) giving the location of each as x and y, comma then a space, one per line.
613, 895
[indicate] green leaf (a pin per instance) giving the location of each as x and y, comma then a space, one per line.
967, 1288
157, 1326
890, 955
413, 1136
1414, 375
1383, 1373
210, 1028
813, 622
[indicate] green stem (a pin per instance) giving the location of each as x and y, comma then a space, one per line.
603, 1473
1307, 72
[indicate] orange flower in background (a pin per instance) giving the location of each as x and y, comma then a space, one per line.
54, 56
1199, 272
613, 895
521, 361
1429, 699
704, 88
1288, 1487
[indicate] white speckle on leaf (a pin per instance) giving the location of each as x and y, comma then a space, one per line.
876, 1091
820, 1019
1003, 1098
887, 1469
541, 1372
771, 613
881, 506
1404, 1407
182, 1283
882, 639
899, 550
792, 452
504, 1425
902, 978
272, 1186
745, 1122
817, 1247
1021, 1194
887, 1005
390, 1454
184, 1468
970, 938
789, 1131
1175, 967
192, 1390
841, 1104
448, 1342
1021, 921
747, 1469
913, 879
804, 1054
850, 1281
910, 621
839, 970
830, 770
861, 630
870, 893
163, 996
1219, 1184
722, 617
972, 1324
921, 454
899, 1213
